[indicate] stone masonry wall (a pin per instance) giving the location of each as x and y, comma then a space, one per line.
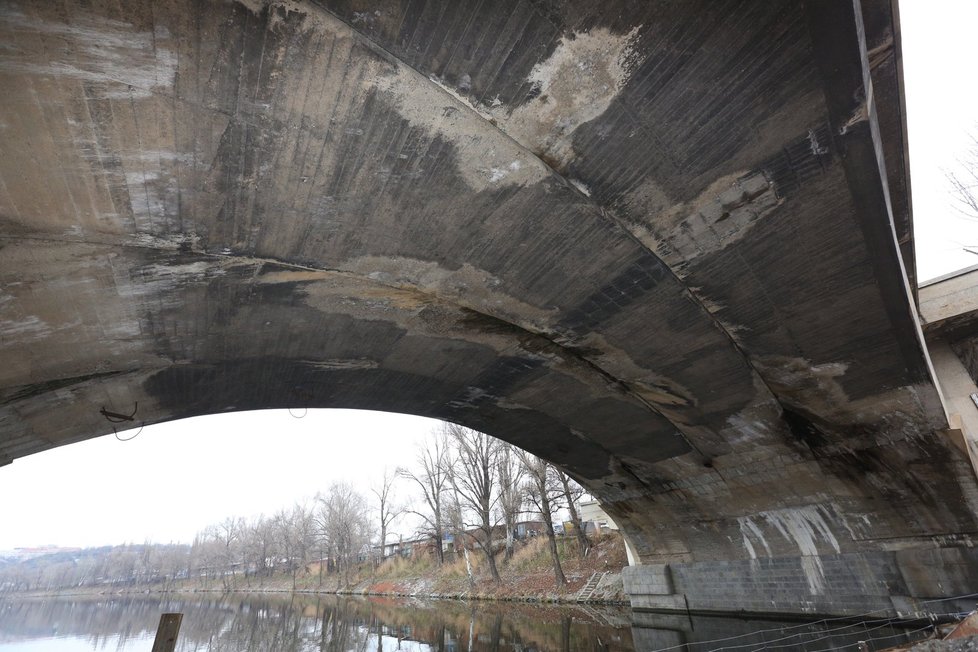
887, 583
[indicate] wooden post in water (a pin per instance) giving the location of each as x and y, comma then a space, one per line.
166, 634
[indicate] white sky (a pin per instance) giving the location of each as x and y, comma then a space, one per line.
176, 478
939, 54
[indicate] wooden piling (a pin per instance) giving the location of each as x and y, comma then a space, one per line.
166, 633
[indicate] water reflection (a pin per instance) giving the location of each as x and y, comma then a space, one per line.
330, 624
323, 624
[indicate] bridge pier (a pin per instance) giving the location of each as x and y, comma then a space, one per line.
958, 390
890, 583
850, 564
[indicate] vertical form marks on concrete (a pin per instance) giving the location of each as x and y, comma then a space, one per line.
838, 39
122, 68
881, 26
682, 138
359, 228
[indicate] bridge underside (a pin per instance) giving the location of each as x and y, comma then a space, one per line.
656, 243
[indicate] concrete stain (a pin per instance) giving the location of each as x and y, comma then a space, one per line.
804, 526
25, 328
483, 160
466, 286
723, 214
125, 63
575, 85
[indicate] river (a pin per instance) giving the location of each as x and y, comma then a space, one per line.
335, 624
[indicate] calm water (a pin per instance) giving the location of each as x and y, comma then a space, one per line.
329, 624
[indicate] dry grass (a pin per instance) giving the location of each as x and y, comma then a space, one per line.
398, 567
534, 556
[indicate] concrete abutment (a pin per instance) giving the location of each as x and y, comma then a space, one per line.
908, 583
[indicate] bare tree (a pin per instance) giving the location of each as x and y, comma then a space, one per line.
195, 559
387, 509
964, 182
473, 477
543, 490
228, 532
342, 517
510, 470
294, 529
432, 479
573, 493
209, 552
454, 520
259, 546
304, 526
285, 540
172, 562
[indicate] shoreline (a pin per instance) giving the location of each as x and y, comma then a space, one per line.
466, 596
594, 579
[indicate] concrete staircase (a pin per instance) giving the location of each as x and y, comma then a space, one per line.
590, 587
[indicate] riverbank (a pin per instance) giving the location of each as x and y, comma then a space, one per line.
527, 577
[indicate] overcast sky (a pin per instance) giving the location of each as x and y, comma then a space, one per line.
176, 478
939, 55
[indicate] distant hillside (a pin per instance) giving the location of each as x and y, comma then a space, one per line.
60, 568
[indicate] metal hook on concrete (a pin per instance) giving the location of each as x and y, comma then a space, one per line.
115, 417
116, 433
304, 396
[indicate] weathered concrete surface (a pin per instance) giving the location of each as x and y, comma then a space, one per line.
949, 304
949, 317
657, 243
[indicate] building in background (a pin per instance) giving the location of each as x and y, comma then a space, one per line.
590, 512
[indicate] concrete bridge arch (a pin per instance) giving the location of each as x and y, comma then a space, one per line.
665, 245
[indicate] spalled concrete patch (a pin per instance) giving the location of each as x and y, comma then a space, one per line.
575, 85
